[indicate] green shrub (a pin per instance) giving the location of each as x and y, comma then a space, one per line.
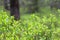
33, 28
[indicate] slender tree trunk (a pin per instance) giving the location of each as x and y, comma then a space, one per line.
7, 4
33, 7
14, 9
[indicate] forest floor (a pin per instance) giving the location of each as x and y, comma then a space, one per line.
42, 12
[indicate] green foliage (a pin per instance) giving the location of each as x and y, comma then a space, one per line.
32, 28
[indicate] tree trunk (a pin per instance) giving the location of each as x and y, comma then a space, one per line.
33, 7
7, 4
14, 9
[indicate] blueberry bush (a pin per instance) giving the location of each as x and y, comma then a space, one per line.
32, 28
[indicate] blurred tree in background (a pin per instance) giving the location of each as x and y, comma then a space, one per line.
7, 4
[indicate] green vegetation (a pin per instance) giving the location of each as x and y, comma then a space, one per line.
36, 26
